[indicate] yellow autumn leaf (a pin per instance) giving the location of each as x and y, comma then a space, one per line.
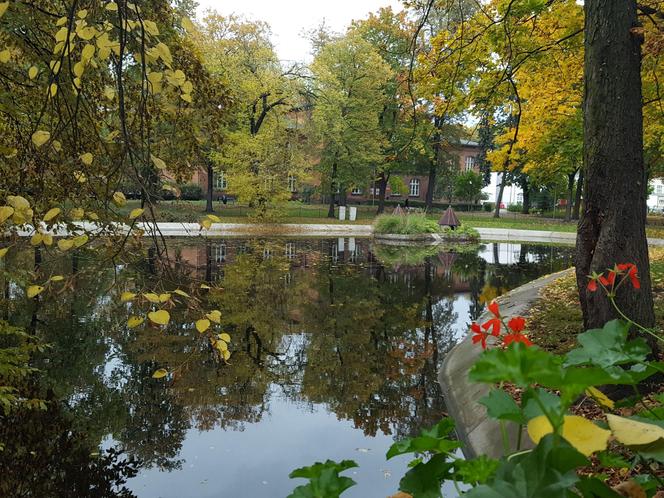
47, 239
135, 321
80, 240
65, 244
34, 290
581, 433
205, 286
629, 431
33, 72
159, 164
5, 56
225, 337
215, 316
80, 177
159, 374
52, 213
57, 278
187, 24
601, 398
5, 212
53, 90
119, 199
3, 252
164, 297
135, 213
87, 158
112, 6
127, 296
186, 97
160, 317
36, 239
181, 293
152, 297
206, 223
82, 14
202, 325
214, 218
76, 213
109, 92
3, 8
227, 355
40, 137
88, 52
221, 345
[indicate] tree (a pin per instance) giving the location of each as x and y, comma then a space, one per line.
468, 186
349, 82
261, 148
612, 225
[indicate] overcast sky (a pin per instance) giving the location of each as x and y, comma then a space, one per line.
288, 18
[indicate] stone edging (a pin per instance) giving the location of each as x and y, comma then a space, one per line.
479, 434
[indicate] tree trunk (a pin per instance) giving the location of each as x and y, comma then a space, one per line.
577, 198
209, 208
431, 187
333, 189
525, 188
382, 186
571, 178
612, 226
501, 190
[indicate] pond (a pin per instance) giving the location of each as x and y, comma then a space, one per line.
335, 348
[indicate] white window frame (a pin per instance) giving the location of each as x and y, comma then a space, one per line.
659, 189
219, 253
356, 191
414, 187
292, 183
470, 163
220, 182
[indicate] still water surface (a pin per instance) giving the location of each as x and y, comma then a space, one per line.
335, 344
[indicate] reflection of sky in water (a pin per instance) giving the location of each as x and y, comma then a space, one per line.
255, 462
285, 416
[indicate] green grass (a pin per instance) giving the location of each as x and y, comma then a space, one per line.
295, 212
405, 225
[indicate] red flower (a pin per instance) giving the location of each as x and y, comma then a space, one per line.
517, 324
608, 281
632, 273
493, 308
495, 324
516, 337
592, 285
479, 336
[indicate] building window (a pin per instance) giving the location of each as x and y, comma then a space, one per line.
470, 163
220, 180
415, 187
519, 198
356, 191
292, 183
659, 188
290, 250
219, 253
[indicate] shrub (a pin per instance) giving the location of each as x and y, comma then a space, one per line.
515, 208
488, 206
406, 224
191, 192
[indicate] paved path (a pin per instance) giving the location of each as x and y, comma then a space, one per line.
324, 230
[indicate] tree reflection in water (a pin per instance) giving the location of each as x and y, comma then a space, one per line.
317, 322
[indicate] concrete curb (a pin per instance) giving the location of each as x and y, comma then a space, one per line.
479, 434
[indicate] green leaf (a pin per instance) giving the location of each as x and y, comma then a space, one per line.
501, 406
547, 471
610, 460
324, 479
424, 480
435, 440
608, 347
476, 471
592, 487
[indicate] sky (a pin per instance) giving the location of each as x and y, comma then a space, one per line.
288, 18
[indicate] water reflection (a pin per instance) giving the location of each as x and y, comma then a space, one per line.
336, 345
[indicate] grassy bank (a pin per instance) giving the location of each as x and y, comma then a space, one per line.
295, 212
556, 319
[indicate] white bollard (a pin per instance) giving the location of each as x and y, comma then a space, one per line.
351, 244
342, 213
352, 215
